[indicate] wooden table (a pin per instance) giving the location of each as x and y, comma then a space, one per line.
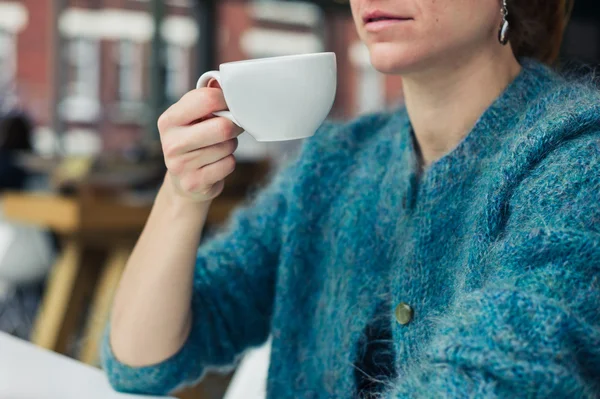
97, 237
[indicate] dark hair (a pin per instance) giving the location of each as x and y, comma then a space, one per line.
537, 27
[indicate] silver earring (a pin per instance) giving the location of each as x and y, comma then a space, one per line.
504, 28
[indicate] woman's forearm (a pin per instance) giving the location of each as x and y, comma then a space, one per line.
151, 314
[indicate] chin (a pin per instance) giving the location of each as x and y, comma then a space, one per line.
397, 59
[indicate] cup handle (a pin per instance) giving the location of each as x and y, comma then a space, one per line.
203, 82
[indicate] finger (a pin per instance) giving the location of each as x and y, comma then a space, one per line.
217, 171
207, 155
195, 160
199, 135
208, 175
194, 105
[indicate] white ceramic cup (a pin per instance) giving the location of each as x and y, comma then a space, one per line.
278, 98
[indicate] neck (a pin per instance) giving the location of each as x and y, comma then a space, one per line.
444, 104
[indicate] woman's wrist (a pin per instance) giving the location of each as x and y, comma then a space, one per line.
171, 198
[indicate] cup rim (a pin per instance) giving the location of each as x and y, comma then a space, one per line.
267, 60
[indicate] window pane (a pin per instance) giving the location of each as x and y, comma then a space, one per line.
7, 60
129, 71
178, 70
84, 61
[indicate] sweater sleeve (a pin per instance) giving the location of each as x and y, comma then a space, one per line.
233, 292
533, 329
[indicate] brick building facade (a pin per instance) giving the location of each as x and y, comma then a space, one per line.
105, 61
106, 51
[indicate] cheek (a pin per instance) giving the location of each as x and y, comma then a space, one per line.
459, 25
476, 19
458, 20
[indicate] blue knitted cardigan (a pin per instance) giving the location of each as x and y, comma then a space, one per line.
495, 247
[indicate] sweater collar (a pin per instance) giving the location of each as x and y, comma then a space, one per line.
494, 124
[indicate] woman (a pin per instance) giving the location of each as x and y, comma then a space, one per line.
448, 249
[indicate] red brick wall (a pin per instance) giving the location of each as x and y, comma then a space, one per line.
234, 20
34, 60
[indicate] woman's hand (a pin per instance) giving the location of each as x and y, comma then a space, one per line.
198, 148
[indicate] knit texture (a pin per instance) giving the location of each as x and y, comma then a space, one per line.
496, 247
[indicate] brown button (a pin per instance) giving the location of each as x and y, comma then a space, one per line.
404, 313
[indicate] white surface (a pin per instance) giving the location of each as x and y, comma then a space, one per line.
107, 24
274, 99
250, 379
118, 24
182, 31
305, 14
27, 372
13, 17
74, 142
263, 42
26, 254
7, 236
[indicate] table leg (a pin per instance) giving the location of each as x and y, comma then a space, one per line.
48, 329
101, 304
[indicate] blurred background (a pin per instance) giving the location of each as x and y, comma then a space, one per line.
82, 83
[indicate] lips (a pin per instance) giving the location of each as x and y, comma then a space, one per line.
377, 15
380, 19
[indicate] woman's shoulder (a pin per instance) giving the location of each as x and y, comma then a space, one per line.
559, 114
551, 143
564, 103
557, 145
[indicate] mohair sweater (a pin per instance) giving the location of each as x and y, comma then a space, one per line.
495, 247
